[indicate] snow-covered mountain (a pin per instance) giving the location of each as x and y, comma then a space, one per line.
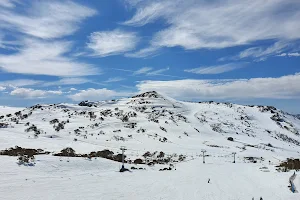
153, 123
150, 121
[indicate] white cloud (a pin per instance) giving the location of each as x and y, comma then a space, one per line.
158, 72
2, 88
46, 19
47, 58
20, 83
114, 79
150, 72
8, 3
73, 89
146, 52
143, 70
285, 87
264, 52
68, 81
216, 69
219, 24
150, 12
29, 93
114, 42
295, 54
8, 44
97, 94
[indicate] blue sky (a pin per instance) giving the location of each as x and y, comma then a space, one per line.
245, 52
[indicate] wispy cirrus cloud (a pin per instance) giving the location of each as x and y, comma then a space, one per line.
158, 72
45, 19
218, 24
106, 43
295, 54
68, 81
285, 87
262, 53
30, 93
114, 79
216, 69
8, 3
38, 26
20, 83
45, 58
143, 70
146, 52
149, 71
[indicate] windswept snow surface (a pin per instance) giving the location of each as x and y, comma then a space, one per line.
151, 122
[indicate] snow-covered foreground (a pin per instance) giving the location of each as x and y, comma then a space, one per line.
150, 122
79, 178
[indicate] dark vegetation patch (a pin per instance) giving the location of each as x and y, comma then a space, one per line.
135, 168
138, 161
151, 94
130, 125
289, 164
158, 158
141, 130
3, 125
163, 140
19, 151
33, 128
166, 169
285, 138
163, 129
107, 154
27, 160
118, 138
87, 103
253, 159
217, 128
266, 108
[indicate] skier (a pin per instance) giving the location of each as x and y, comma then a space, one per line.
208, 180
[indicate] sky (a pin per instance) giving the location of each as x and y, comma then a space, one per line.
240, 51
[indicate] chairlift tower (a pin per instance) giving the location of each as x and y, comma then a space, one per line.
123, 156
203, 152
234, 156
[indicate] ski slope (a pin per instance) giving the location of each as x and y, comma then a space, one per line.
99, 179
154, 123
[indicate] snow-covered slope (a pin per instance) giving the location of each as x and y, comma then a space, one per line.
152, 122
7, 110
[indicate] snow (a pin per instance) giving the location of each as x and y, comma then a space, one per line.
99, 179
190, 128
7, 110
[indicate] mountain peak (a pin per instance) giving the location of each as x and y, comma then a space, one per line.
150, 94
